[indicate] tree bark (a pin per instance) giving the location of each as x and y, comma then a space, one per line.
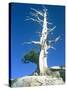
43, 52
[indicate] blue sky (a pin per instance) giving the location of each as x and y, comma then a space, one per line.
24, 31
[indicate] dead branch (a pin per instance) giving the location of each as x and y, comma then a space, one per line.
35, 20
50, 30
38, 12
57, 39
32, 42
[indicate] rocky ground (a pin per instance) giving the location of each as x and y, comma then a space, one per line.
53, 77
37, 81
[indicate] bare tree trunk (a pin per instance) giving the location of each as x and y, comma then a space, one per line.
43, 62
43, 52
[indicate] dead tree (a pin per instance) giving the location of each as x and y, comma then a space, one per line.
41, 18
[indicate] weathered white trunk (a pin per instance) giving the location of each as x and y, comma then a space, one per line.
43, 52
42, 62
